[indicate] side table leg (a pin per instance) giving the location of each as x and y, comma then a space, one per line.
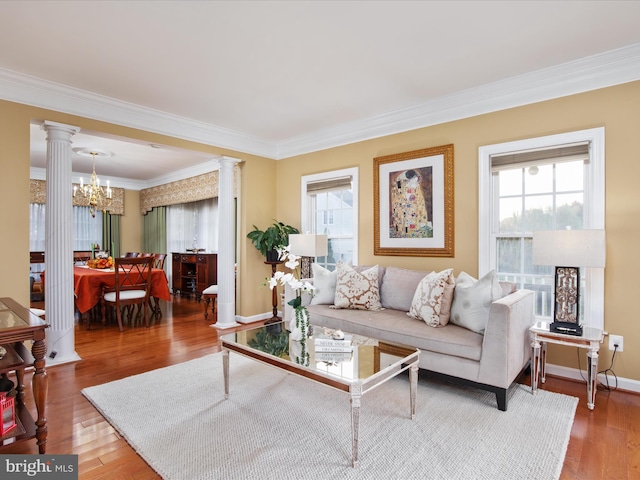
40, 386
413, 385
543, 363
225, 370
592, 372
535, 365
356, 395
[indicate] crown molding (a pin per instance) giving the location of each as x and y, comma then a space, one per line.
590, 73
37, 173
30, 90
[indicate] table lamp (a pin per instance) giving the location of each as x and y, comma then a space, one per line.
574, 248
308, 246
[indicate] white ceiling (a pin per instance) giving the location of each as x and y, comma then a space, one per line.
279, 78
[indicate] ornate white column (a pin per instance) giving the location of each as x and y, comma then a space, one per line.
226, 251
59, 245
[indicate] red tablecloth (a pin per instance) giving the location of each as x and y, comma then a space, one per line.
89, 282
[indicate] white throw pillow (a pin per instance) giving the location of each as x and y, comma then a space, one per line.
325, 283
472, 300
432, 298
357, 290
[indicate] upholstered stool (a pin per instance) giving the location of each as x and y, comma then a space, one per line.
37, 311
210, 293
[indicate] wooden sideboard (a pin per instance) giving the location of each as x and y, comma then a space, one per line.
191, 273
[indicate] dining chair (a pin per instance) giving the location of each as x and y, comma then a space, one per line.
80, 258
159, 260
132, 287
144, 254
130, 254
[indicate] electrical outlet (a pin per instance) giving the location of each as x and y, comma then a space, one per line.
616, 340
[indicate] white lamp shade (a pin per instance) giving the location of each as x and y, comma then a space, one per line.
570, 248
308, 245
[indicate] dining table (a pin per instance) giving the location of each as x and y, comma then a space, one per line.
89, 283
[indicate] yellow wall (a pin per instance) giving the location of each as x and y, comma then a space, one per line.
271, 190
131, 223
257, 206
615, 108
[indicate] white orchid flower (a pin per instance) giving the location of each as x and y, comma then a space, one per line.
292, 264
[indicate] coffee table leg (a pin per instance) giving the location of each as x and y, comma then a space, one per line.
413, 385
225, 370
356, 395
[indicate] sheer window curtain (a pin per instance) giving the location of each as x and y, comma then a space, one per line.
192, 225
86, 229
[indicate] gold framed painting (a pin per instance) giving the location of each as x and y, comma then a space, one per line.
413, 203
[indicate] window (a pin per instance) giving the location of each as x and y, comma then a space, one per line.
87, 230
330, 207
192, 225
546, 183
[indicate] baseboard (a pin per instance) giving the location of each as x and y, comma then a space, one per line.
626, 384
255, 318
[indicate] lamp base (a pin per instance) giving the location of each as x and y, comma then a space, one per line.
568, 328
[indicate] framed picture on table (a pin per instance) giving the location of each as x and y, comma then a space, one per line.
413, 203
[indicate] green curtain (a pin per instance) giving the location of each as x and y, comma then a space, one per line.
154, 230
111, 233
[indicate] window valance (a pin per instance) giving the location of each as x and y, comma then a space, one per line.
38, 191
192, 189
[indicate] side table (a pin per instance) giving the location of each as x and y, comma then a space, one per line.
18, 325
590, 340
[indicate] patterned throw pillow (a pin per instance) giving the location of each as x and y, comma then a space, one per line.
472, 300
433, 297
357, 290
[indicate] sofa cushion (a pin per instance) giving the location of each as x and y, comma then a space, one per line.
395, 326
356, 290
472, 300
433, 297
324, 282
398, 287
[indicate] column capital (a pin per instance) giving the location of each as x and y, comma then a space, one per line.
65, 132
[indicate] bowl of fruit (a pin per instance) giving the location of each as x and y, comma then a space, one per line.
100, 262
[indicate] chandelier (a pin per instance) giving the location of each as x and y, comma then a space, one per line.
92, 194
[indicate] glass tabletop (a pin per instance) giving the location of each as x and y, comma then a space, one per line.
14, 316
353, 358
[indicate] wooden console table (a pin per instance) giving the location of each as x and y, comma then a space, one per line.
191, 273
17, 325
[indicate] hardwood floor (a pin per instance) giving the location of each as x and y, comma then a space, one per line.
604, 444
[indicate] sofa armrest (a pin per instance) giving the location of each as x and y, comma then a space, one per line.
506, 347
287, 310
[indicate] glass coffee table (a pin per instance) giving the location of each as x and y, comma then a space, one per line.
355, 365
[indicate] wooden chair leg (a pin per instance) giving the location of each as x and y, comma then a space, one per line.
119, 315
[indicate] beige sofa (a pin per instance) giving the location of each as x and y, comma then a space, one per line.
491, 360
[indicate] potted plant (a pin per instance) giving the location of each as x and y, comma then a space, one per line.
275, 237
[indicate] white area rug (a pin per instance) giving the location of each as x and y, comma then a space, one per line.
278, 426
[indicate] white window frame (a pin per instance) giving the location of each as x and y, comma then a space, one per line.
307, 222
594, 206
